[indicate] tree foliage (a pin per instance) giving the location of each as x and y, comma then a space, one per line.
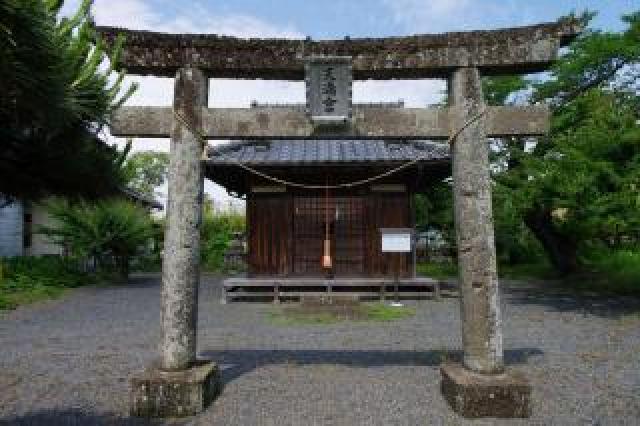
216, 233
144, 171
559, 194
55, 96
596, 59
580, 183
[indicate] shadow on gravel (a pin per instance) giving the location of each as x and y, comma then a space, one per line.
142, 281
611, 307
235, 363
73, 418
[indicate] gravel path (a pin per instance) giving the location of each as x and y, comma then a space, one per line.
66, 362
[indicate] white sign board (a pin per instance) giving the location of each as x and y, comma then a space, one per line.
396, 240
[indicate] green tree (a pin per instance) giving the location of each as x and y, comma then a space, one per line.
434, 209
514, 241
145, 171
579, 184
216, 233
581, 181
55, 97
109, 231
584, 186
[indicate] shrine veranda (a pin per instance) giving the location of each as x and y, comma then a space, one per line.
480, 386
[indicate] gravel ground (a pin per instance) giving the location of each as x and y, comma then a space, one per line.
66, 362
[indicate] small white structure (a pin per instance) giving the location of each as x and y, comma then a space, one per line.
11, 229
18, 222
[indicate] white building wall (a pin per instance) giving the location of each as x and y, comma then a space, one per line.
41, 244
11, 229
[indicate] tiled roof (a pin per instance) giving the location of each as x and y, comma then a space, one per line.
311, 151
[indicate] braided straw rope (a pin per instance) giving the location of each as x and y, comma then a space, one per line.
352, 184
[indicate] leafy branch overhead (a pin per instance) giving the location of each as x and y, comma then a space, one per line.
57, 91
595, 59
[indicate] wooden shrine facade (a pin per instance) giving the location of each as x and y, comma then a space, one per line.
286, 226
286, 233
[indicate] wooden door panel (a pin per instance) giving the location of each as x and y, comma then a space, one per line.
345, 215
269, 224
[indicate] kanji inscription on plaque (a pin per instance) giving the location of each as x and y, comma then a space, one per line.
328, 86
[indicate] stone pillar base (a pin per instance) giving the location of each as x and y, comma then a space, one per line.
158, 393
473, 395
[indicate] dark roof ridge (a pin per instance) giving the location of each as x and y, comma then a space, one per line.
318, 151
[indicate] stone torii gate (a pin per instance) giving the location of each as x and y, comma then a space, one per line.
181, 384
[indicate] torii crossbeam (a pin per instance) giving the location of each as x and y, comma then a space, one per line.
506, 51
481, 387
292, 123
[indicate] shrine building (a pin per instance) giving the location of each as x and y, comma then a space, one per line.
287, 226
329, 185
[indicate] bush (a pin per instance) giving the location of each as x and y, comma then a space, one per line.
614, 271
109, 231
536, 269
437, 270
217, 231
27, 279
604, 270
51, 271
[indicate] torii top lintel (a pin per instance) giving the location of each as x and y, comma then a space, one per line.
504, 51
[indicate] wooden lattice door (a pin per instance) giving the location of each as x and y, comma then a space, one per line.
348, 236
346, 232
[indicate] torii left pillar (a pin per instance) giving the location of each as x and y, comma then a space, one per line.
181, 385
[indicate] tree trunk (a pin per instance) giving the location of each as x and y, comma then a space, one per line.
123, 268
561, 250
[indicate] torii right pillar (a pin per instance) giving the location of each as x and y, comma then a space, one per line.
480, 387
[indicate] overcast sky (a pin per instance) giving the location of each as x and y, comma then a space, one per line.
320, 20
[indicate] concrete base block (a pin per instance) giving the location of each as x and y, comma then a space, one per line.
158, 393
473, 395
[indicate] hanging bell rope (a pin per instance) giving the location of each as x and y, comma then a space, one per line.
326, 256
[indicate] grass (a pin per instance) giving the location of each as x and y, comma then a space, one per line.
13, 299
610, 272
605, 271
538, 270
437, 270
25, 280
384, 312
541, 270
326, 314
289, 318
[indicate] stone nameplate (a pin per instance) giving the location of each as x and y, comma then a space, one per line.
328, 86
